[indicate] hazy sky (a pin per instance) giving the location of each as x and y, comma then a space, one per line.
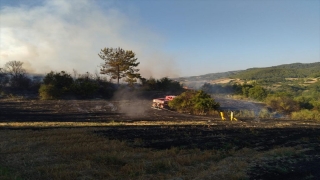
170, 37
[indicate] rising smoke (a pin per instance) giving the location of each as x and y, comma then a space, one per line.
131, 103
65, 35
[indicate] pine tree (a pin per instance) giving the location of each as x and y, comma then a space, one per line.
119, 63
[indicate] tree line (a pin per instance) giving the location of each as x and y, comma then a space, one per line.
118, 64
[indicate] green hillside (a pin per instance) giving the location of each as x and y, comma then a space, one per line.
272, 74
208, 77
279, 73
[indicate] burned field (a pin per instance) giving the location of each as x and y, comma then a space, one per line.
229, 137
244, 149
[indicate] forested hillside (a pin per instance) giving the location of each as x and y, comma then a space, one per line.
268, 74
208, 77
279, 73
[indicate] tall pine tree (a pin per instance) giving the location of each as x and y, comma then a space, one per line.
119, 63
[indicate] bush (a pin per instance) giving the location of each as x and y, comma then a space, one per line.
194, 102
49, 92
282, 104
20, 82
306, 115
258, 93
304, 102
60, 80
85, 87
55, 85
315, 104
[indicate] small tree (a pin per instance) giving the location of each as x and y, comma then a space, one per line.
14, 68
258, 93
17, 74
119, 64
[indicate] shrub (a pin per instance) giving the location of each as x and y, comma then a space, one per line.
84, 87
258, 93
282, 104
304, 102
60, 80
316, 104
265, 113
55, 85
306, 114
49, 92
195, 102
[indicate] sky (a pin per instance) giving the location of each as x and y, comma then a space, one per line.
171, 38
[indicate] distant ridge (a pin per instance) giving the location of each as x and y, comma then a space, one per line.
210, 76
295, 70
280, 72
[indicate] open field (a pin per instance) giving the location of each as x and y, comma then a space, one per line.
128, 140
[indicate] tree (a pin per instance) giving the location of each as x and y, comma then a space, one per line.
119, 63
245, 89
14, 69
17, 74
257, 92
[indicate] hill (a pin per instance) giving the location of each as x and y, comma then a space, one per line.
208, 77
279, 73
272, 74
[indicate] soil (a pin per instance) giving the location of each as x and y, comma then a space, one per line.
253, 133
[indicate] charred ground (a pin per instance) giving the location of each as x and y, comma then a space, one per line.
260, 135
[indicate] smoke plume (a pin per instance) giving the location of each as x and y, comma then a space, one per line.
65, 35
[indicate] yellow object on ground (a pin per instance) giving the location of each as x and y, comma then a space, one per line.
232, 117
222, 116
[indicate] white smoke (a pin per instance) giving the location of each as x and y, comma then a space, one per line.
65, 35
